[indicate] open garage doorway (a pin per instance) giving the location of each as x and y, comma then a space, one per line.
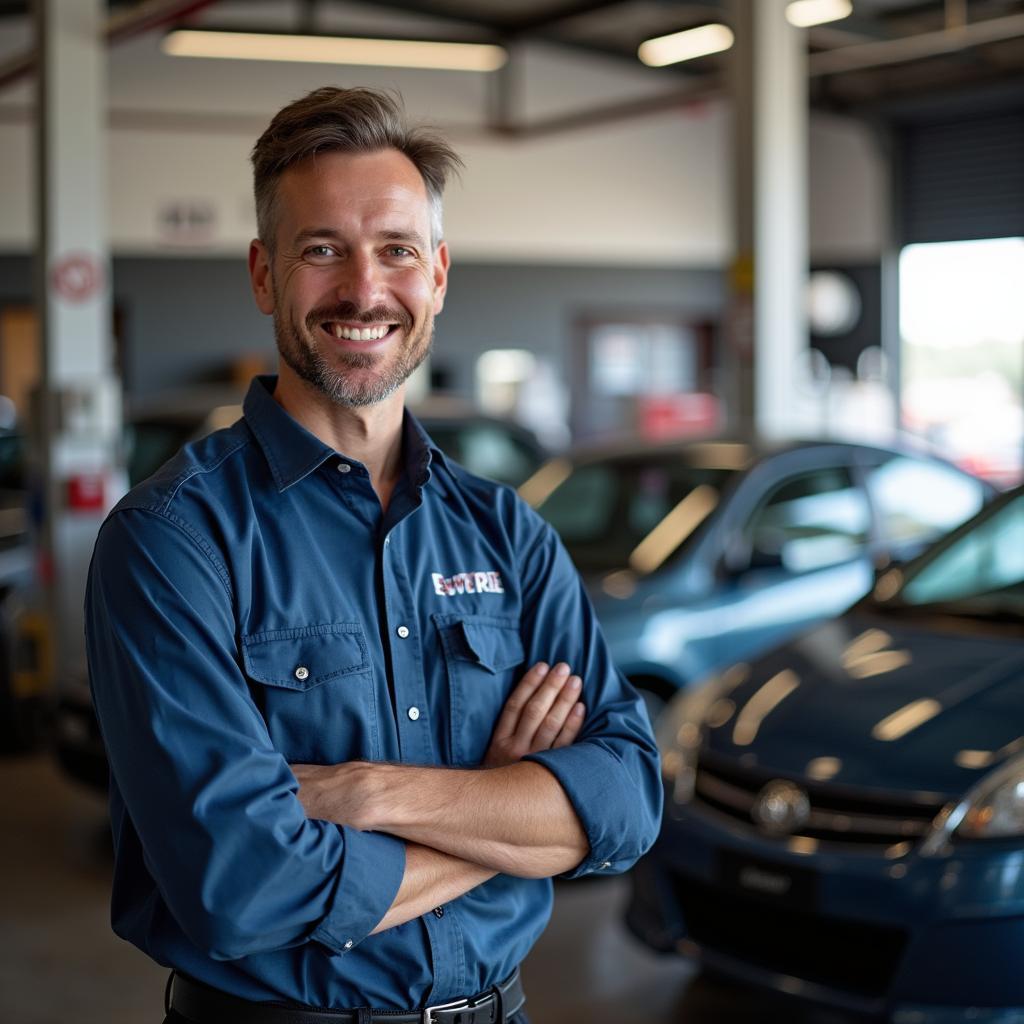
962, 352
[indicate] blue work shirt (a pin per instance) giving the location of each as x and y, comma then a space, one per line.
250, 606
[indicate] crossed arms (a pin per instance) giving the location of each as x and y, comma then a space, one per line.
462, 827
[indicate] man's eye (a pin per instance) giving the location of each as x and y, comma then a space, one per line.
321, 251
400, 251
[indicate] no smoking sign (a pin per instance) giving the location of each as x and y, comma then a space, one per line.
76, 277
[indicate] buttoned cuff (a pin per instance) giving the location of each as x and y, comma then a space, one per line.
371, 872
594, 780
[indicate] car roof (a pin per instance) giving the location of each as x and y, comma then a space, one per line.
734, 451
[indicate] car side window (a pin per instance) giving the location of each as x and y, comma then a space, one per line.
810, 521
584, 508
917, 501
488, 451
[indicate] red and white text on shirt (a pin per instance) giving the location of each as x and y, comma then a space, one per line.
467, 583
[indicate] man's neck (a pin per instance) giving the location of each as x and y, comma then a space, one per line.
370, 434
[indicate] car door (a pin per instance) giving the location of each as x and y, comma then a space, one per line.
794, 553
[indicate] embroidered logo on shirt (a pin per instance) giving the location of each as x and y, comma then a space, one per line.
467, 583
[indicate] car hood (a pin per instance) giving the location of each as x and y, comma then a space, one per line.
880, 702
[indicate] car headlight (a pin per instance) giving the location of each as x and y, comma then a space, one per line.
996, 806
679, 731
992, 809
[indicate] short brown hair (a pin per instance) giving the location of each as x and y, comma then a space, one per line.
350, 121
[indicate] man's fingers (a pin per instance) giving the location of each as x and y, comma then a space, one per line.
568, 733
508, 720
532, 716
541, 712
557, 715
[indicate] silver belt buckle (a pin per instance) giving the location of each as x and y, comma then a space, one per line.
455, 1004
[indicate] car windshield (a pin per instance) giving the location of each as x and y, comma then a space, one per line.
609, 512
980, 573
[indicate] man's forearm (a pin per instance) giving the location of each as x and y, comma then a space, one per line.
516, 819
431, 878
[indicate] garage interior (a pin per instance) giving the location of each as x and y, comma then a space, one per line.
823, 224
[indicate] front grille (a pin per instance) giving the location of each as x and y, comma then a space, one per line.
837, 814
856, 958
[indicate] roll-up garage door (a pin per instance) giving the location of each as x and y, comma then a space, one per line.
963, 178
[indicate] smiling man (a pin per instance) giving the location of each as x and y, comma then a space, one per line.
332, 669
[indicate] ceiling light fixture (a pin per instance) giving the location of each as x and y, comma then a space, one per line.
394, 53
805, 13
686, 45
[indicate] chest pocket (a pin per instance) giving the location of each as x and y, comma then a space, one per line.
484, 660
317, 694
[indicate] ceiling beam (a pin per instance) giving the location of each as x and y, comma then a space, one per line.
143, 17
562, 12
917, 47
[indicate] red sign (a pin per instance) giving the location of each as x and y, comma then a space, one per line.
76, 277
664, 417
86, 492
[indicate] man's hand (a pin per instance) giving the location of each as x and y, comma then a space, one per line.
341, 793
542, 712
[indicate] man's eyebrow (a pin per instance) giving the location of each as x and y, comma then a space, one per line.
308, 234
388, 235
404, 236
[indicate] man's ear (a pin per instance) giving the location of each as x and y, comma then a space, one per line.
260, 277
442, 261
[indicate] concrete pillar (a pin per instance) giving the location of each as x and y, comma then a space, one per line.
78, 417
767, 325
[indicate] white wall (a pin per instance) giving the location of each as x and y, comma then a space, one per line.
849, 191
655, 190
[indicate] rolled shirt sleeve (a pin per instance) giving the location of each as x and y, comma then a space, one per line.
611, 772
214, 804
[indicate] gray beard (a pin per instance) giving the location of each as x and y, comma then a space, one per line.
332, 381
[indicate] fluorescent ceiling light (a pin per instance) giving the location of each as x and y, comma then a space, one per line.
394, 53
805, 13
686, 45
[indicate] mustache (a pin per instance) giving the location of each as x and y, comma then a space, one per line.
350, 312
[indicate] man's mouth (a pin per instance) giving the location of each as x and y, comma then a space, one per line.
358, 332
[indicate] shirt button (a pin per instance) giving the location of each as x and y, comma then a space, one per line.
414, 713
348, 945
606, 865
438, 911
344, 467
403, 631
302, 672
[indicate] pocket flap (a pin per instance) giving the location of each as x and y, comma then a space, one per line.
299, 659
490, 642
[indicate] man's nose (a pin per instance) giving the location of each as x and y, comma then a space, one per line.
360, 282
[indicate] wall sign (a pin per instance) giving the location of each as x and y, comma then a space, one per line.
76, 277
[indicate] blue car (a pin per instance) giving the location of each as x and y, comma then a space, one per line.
845, 814
698, 554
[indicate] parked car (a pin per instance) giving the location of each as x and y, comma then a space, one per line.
696, 554
845, 815
487, 445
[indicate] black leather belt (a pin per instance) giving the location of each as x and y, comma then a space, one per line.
202, 1004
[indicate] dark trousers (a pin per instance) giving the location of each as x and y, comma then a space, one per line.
175, 1018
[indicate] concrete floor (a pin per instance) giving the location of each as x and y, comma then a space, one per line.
59, 961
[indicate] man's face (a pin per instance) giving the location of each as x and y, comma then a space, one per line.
354, 284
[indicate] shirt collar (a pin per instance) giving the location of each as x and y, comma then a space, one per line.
292, 452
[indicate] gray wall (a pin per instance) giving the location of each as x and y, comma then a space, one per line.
184, 320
